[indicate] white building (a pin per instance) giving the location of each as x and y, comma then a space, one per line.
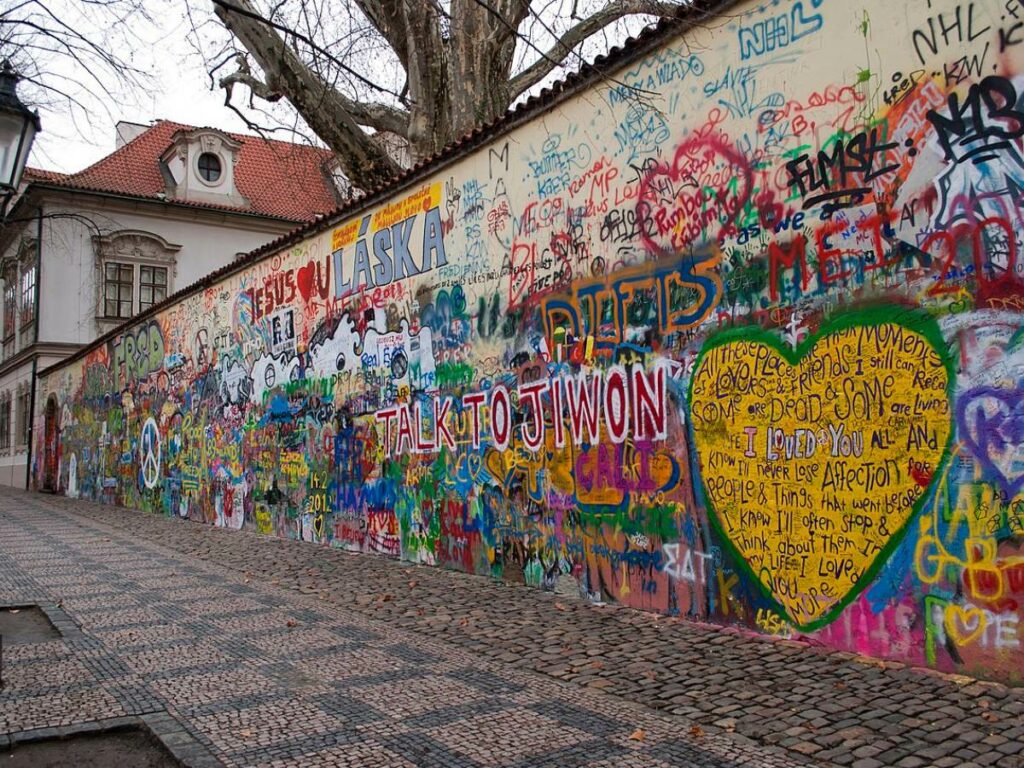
80, 253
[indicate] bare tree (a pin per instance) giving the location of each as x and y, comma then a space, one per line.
428, 71
74, 56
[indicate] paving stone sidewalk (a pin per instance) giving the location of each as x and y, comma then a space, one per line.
832, 708
255, 675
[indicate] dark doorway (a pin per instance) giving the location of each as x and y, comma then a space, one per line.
51, 446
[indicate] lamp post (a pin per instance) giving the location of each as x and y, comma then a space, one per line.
18, 128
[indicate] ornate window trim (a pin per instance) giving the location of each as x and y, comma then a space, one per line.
137, 248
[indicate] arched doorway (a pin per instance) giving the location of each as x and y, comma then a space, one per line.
51, 445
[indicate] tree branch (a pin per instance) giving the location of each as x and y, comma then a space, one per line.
386, 16
613, 11
323, 108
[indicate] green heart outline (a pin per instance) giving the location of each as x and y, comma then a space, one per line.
915, 320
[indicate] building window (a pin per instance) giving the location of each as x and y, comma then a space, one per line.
209, 167
24, 406
5, 421
152, 286
28, 294
10, 303
132, 288
9, 313
118, 294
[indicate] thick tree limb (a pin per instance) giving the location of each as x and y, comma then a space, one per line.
429, 86
380, 117
244, 76
323, 108
388, 18
613, 11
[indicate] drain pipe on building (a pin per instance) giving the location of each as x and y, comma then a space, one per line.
35, 341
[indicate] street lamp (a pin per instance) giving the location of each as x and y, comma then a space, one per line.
18, 128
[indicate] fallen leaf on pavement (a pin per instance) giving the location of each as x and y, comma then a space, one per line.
413, 583
696, 731
560, 607
464, 622
246, 733
989, 716
386, 598
291, 623
638, 735
984, 704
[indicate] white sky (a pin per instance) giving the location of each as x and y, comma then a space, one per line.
179, 90
178, 86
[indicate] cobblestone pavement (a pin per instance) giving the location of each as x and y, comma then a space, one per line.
712, 683
254, 674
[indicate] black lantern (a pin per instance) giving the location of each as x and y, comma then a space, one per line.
18, 128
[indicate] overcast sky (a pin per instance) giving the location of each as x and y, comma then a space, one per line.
178, 90
178, 86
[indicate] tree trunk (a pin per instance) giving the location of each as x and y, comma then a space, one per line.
426, 70
480, 64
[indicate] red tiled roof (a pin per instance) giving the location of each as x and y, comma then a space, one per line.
278, 179
32, 174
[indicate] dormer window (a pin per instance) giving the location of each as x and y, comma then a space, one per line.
209, 167
199, 166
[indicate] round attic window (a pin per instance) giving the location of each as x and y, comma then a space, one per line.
209, 167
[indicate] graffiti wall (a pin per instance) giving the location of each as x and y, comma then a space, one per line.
735, 334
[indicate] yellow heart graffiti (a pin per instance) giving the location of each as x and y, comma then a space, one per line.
814, 460
964, 625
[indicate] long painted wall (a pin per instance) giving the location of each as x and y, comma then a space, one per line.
744, 347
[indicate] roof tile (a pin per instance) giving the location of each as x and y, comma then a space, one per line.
278, 179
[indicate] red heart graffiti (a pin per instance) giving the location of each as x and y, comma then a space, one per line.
305, 278
694, 199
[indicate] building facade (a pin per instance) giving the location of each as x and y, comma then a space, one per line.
82, 253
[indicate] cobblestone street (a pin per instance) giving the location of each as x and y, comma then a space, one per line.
256, 651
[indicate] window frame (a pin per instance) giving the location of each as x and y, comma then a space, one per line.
118, 282
22, 411
27, 305
10, 304
5, 422
215, 182
137, 305
153, 285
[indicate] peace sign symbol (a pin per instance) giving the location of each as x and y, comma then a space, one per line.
149, 453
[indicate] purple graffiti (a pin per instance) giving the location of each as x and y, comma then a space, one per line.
991, 422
